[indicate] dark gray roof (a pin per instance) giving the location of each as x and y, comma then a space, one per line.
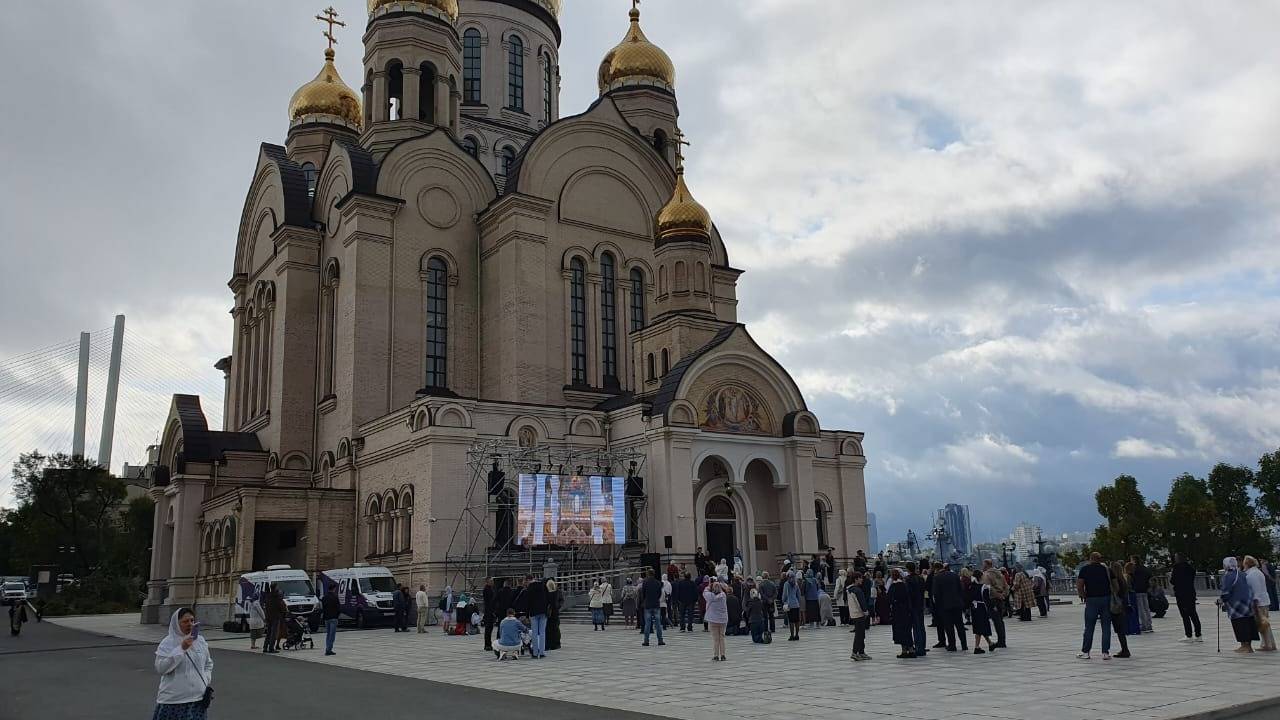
671, 381
293, 183
199, 444
364, 169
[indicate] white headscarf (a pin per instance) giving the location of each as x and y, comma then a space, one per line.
174, 639
1230, 563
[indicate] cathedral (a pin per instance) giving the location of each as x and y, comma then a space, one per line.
442, 260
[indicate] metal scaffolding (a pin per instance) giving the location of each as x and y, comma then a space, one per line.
476, 551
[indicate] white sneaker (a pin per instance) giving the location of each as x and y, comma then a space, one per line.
1083, 656
1199, 639
1106, 656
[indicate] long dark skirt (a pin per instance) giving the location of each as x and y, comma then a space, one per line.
185, 711
1245, 628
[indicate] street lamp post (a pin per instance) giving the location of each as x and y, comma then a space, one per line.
1007, 549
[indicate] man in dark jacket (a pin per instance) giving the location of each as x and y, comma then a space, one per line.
1141, 591
686, 592
329, 611
537, 603
769, 597
1183, 580
916, 588
651, 597
273, 617
400, 604
948, 601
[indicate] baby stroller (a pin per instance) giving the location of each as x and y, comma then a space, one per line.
296, 634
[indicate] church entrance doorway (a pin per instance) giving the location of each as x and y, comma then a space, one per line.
722, 529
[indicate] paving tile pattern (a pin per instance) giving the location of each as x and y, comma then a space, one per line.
1037, 677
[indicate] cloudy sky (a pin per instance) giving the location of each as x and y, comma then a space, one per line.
1024, 247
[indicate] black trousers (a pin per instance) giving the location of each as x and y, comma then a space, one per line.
773, 622
272, 627
859, 636
844, 614
488, 633
1118, 621
1190, 618
952, 622
1042, 602
997, 621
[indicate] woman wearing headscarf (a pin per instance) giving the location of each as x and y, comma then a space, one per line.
717, 616
629, 603
257, 621
1024, 594
665, 602
1120, 588
898, 598
722, 571
1040, 583
606, 594
982, 603
755, 616
842, 607
554, 600
1237, 601
812, 613
1261, 600
792, 598
186, 670
595, 601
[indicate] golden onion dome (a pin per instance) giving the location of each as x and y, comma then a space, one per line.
326, 95
636, 61
448, 7
552, 6
683, 216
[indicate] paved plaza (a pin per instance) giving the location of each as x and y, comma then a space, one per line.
1037, 677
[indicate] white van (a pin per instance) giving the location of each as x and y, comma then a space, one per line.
294, 585
364, 592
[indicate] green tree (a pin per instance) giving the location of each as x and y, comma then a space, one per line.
1267, 481
1190, 522
1238, 525
76, 498
1133, 525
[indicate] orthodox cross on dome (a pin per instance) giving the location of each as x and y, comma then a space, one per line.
330, 17
681, 143
635, 5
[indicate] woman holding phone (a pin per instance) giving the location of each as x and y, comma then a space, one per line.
717, 617
186, 669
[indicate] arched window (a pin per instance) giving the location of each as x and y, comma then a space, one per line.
312, 175
368, 98
437, 323
637, 299
650, 371
389, 525
719, 508
427, 93
371, 523
660, 142
681, 280
578, 320
662, 280
471, 67
666, 362
472, 146
508, 159
608, 319
821, 517
515, 73
395, 91
328, 326
406, 523
700, 278
548, 85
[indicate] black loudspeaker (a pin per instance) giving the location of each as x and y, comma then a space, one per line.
635, 486
652, 561
666, 541
497, 479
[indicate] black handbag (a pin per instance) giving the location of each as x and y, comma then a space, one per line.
207, 699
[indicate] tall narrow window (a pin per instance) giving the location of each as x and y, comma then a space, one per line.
427, 93
508, 159
821, 516
471, 67
637, 299
395, 91
328, 327
608, 319
472, 146
660, 142
578, 320
548, 83
515, 74
437, 323
312, 175
666, 362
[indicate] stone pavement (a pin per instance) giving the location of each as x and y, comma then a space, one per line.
1038, 677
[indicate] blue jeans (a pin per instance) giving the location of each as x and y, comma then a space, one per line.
1097, 608
539, 631
652, 619
330, 631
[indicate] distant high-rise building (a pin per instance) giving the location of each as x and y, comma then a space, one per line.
958, 541
1024, 540
873, 534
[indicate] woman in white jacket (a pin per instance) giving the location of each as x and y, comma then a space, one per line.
186, 669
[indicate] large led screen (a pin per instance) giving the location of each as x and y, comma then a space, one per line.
571, 510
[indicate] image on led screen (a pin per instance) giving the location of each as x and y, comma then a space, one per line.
570, 510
